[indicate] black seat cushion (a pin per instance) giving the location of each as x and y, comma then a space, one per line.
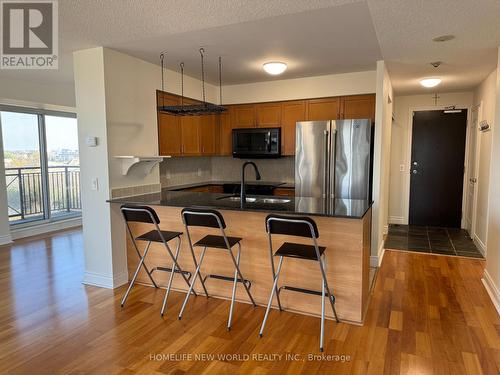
217, 241
154, 236
298, 250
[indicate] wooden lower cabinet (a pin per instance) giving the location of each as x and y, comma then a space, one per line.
206, 189
284, 192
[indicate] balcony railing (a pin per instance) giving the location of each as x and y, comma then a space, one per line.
25, 192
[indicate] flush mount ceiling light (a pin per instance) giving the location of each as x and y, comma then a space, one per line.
274, 68
430, 82
443, 38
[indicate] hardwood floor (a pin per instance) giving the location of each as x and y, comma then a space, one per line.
429, 314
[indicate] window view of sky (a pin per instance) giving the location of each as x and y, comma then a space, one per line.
22, 145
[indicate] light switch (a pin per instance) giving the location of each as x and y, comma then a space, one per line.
95, 184
91, 141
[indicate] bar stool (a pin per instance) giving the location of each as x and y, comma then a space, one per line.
145, 214
302, 227
214, 219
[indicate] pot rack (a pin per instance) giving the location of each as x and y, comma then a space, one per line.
204, 108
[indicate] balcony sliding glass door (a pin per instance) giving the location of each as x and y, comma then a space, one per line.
41, 164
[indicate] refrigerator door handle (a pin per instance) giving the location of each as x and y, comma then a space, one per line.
332, 159
326, 163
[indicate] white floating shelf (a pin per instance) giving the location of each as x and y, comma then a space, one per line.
145, 163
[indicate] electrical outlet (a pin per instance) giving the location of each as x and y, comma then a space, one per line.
95, 184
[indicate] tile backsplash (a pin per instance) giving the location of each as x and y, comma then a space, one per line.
186, 170
275, 170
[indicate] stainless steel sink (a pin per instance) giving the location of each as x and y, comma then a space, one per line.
238, 199
235, 198
273, 200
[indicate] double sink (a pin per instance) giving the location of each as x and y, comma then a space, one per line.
237, 198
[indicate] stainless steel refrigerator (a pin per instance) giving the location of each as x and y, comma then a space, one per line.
333, 159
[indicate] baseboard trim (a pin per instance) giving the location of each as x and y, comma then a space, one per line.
35, 230
104, 281
396, 220
376, 260
6, 239
492, 290
480, 245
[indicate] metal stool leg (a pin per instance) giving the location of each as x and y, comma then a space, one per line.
275, 285
167, 293
241, 275
192, 282
321, 266
140, 256
141, 263
234, 289
322, 329
274, 270
194, 260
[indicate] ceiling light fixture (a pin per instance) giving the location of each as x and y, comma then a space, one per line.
274, 68
443, 38
430, 82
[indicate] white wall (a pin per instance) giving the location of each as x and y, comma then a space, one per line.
492, 272
26, 91
400, 142
302, 88
115, 98
381, 161
484, 96
96, 219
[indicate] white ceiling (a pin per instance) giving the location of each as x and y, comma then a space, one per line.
314, 37
405, 30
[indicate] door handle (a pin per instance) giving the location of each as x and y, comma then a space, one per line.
414, 171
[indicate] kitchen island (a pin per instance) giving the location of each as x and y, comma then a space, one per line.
344, 228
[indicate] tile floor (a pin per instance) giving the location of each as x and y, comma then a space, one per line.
447, 241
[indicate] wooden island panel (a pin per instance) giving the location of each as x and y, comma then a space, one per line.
347, 262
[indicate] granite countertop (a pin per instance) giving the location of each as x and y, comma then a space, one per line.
345, 208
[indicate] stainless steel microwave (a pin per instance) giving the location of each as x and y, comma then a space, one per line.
257, 143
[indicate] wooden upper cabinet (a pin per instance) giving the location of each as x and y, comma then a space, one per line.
226, 133
169, 129
243, 116
358, 106
291, 113
208, 129
190, 133
268, 115
323, 109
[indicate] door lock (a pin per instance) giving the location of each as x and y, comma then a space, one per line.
415, 163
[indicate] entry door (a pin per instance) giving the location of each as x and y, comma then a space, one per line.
437, 168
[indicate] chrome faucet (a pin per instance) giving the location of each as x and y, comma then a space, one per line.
243, 194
